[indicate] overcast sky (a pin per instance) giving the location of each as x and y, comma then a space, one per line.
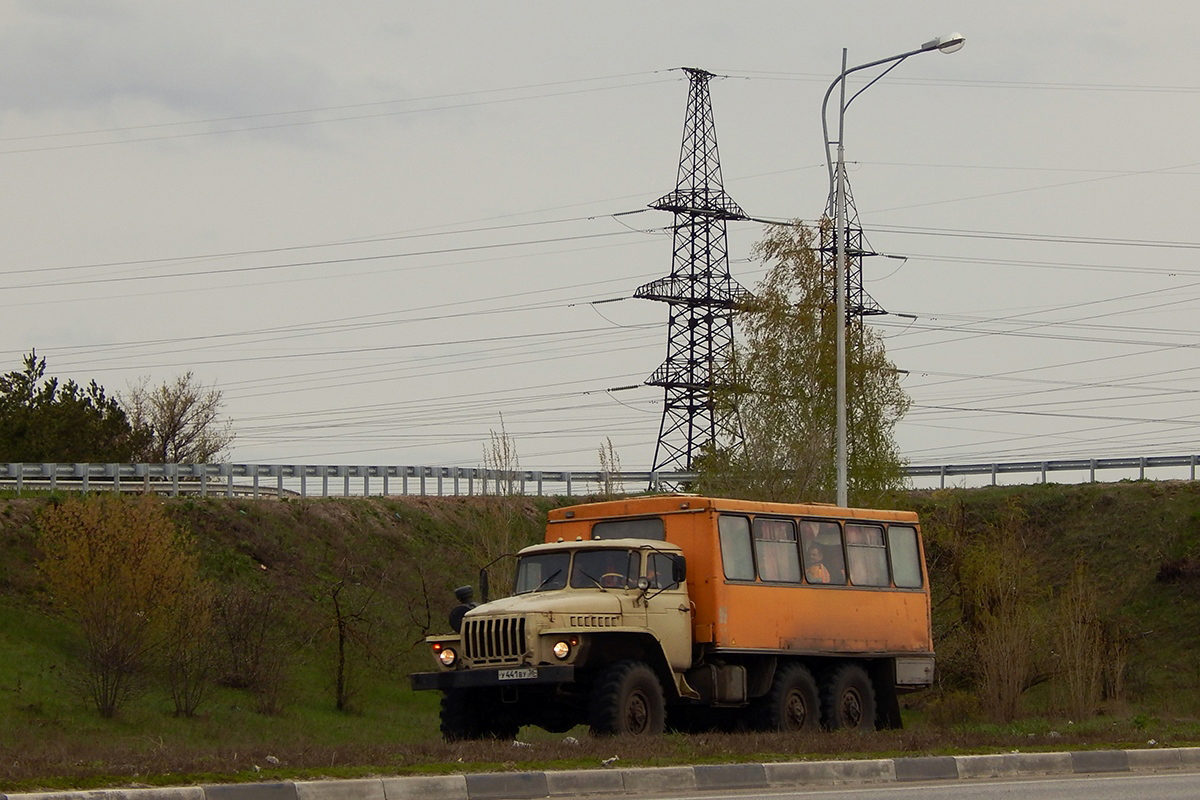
378, 226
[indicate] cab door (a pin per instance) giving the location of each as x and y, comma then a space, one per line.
668, 609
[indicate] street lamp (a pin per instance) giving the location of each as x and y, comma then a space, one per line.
837, 198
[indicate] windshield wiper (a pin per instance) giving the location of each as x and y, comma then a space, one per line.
552, 577
585, 574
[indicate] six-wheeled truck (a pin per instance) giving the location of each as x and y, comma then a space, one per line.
694, 612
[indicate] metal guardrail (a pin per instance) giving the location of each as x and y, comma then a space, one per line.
303, 480
1043, 468
310, 480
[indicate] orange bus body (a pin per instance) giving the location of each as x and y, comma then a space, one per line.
748, 616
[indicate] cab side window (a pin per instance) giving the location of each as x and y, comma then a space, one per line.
660, 568
737, 557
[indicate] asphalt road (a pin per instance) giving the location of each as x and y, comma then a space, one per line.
1156, 786
1151, 774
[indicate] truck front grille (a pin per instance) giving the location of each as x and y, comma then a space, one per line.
498, 640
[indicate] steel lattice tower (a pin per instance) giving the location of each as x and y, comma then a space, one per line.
701, 295
859, 304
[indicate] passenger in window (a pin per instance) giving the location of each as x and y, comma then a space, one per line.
815, 569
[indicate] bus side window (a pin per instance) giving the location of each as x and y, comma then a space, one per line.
867, 555
647, 528
736, 554
775, 550
821, 544
906, 556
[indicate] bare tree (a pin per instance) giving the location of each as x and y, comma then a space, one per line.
250, 624
352, 597
610, 470
501, 462
181, 419
1079, 642
187, 652
781, 383
1002, 586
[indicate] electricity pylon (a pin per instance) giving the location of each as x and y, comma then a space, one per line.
859, 304
699, 409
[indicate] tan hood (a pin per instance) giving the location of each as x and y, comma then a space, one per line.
565, 601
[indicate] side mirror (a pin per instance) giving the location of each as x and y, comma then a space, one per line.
678, 569
465, 604
483, 577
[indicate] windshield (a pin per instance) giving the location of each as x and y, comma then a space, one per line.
606, 569
542, 572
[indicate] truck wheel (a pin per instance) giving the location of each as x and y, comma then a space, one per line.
472, 715
848, 699
792, 704
627, 698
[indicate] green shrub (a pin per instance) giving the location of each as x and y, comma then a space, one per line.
118, 568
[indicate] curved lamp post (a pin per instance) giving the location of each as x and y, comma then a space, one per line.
837, 199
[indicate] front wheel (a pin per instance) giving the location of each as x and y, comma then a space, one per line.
467, 714
627, 698
848, 699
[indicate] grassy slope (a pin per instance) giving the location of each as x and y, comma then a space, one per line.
1123, 535
400, 551
414, 550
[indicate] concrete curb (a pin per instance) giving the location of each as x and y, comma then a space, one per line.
684, 780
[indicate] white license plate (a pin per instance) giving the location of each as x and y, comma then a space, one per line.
523, 674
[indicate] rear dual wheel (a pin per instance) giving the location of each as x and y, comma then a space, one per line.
848, 699
792, 704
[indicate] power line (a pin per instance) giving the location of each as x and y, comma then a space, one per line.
811, 77
302, 123
321, 109
293, 248
316, 262
1026, 189
1031, 237
1011, 168
408, 346
1071, 266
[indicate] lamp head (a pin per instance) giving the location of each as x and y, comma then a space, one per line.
946, 44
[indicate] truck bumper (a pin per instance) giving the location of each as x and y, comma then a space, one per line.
914, 671
492, 677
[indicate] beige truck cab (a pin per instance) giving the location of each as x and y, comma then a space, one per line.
595, 633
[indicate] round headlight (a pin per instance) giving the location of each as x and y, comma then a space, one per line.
561, 649
447, 656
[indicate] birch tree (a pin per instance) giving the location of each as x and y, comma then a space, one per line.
784, 369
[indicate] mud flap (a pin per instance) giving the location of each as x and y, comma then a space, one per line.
887, 702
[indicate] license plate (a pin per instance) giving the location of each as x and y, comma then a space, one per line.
523, 674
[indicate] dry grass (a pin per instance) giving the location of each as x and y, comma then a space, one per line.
49, 766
